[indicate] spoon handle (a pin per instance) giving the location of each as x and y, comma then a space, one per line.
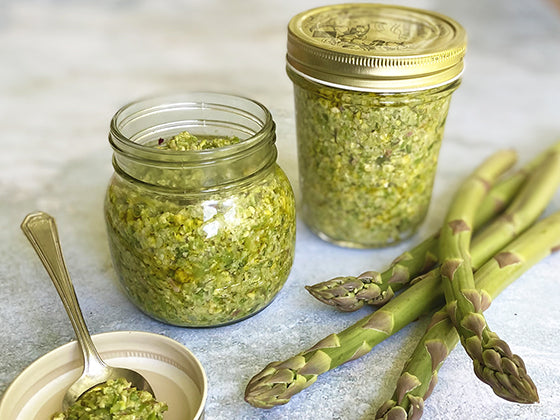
40, 229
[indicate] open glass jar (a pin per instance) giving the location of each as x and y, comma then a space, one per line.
199, 237
372, 86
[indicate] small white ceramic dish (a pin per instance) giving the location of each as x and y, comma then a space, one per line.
174, 373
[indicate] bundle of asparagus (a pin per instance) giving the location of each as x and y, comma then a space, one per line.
500, 253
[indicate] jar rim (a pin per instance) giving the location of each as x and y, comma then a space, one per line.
253, 111
357, 87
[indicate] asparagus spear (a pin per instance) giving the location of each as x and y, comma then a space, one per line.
350, 293
491, 356
419, 375
279, 381
527, 206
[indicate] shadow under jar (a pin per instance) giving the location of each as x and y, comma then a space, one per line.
199, 237
372, 87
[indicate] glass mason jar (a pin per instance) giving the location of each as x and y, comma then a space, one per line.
198, 237
372, 86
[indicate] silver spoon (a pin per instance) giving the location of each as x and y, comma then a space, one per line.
40, 229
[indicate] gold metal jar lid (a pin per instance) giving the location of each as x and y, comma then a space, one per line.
375, 47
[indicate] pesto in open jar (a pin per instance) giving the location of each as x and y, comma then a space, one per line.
372, 86
200, 218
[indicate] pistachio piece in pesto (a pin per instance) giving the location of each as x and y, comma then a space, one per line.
114, 399
192, 253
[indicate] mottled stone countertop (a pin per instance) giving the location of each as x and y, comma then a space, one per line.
67, 66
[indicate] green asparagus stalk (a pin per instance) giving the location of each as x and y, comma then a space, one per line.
441, 336
465, 303
349, 293
527, 206
280, 380
419, 375
523, 211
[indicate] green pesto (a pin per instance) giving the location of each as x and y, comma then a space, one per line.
115, 399
185, 141
202, 259
367, 160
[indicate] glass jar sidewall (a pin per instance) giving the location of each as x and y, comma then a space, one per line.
202, 260
138, 128
363, 182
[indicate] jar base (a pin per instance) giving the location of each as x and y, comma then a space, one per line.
200, 326
359, 245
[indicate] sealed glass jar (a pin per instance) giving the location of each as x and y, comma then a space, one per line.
200, 218
372, 86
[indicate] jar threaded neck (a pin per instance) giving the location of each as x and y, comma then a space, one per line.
136, 130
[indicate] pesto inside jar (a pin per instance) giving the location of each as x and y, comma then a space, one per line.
185, 141
114, 399
372, 86
367, 160
201, 259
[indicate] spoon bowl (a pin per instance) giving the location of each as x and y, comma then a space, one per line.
40, 229
100, 374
